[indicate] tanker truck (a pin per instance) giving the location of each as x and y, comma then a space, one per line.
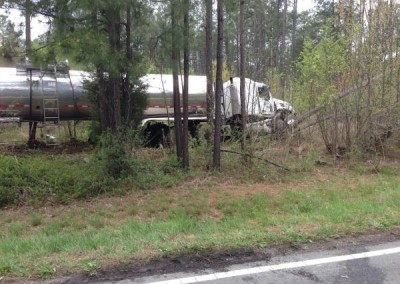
56, 94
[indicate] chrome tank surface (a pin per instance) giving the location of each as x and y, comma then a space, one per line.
74, 104
160, 95
15, 95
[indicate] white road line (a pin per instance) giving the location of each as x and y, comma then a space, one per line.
290, 265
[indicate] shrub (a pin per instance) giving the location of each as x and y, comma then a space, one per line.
41, 178
112, 155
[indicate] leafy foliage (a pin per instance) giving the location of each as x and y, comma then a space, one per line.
112, 155
321, 71
30, 180
10, 42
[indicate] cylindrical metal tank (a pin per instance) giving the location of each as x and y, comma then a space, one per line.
22, 94
160, 95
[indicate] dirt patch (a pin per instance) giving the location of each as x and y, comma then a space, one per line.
220, 260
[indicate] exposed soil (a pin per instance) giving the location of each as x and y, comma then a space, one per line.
220, 260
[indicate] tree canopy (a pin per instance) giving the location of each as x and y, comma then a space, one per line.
308, 57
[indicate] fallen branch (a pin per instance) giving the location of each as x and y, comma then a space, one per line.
251, 156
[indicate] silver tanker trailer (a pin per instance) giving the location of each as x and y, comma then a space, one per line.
50, 96
34, 95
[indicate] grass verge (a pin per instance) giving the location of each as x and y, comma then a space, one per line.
200, 213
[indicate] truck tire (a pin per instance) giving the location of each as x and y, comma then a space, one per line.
156, 135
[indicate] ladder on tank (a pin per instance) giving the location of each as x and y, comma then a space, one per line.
51, 106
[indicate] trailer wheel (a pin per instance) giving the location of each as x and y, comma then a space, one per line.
156, 135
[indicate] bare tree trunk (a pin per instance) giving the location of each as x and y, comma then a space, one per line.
126, 104
257, 30
262, 41
28, 51
391, 40
398, 84
186, 87
242, 76
210, 97
28, 39
294, 26
102, 99
115, 80
282, 61
335, 133
176, 95
228, 55
397, 79
217, 129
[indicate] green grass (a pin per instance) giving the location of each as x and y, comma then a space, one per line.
115, 230
62, 214
18, 133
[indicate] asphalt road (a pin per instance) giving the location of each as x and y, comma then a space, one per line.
357, 264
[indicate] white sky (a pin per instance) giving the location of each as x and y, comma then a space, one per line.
303, 5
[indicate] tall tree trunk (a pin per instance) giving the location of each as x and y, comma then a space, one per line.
282, 59
28, 52
294, 27
210, 97
28, 39
175, 79
391, 39
126, 104
102, 98
101, 83
217, 128
261, 56
228, 55
115, 79
242, 76
186, 86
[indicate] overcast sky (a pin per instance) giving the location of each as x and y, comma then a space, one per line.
303, 5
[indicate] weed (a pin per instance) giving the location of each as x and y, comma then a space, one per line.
54, 228
96, 222
388, 171
16, 229
47, 271
36, 220
133, 211
90, 266
78, 225
5, 268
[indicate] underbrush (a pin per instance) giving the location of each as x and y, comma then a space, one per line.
35, 179
38, 177
41, 176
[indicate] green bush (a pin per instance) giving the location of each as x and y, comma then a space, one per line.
112, 155
7, 196
40, 178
